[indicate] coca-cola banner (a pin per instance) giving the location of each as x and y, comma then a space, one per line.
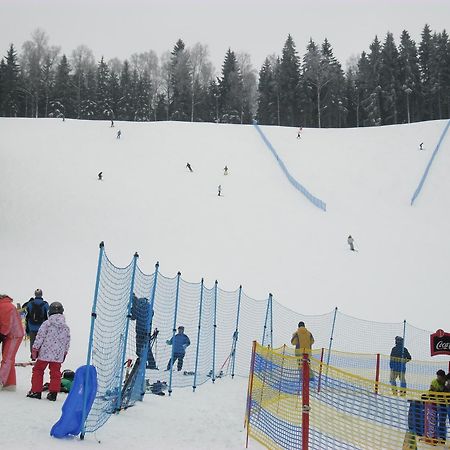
440, 343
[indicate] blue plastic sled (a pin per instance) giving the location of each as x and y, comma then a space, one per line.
71, 420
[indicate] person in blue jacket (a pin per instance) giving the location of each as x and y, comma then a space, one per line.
179, 342
399, 357
36, 314
142, 312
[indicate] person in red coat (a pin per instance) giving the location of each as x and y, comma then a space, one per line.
11, 335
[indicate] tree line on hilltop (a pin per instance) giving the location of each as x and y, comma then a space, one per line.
388, 84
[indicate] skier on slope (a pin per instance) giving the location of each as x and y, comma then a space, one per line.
219, 190
350, 242
188, 166
119, 133
36, 314
421, 146
100, 176
225, 170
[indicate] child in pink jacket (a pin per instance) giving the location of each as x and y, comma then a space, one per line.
11, 335
50, 349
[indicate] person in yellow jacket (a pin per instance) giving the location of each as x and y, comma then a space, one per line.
302, 339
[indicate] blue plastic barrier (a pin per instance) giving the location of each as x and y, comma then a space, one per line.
71, 421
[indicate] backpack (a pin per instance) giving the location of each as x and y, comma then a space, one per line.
37, 315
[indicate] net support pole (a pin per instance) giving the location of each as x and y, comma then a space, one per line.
377, 374
148, 326
174, 329
213, 375
265, 322
91, 337
320, 370
281, 377
331, 340
127, 326
236, 332
305, 402
198, 335
249, 392
271, 321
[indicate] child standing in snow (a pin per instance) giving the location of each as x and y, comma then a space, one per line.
50, 349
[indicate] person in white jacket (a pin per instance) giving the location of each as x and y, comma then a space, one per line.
50, 349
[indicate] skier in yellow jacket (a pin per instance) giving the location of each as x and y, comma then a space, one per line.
302, 339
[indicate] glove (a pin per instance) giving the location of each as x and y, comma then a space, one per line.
168, 342
2, 337
34, 354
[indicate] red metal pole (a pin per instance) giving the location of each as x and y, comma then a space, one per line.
320, 371
249, 392
305, 402
377, 374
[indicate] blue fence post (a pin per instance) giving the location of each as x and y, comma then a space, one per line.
265, 322
213, 376
127, 327
236, 332
174, 329
331, 342
271, 321
198, 336
91, 337
148, 326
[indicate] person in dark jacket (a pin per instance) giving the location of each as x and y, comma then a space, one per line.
399, 357
179, 344
142, 312
36, 314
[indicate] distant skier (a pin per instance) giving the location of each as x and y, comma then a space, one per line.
421, 146
188, 166
219, 190
225, 170
112, 123
119, 133
350, 241
299, 134
100, 176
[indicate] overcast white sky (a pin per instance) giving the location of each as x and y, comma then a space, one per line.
118, 28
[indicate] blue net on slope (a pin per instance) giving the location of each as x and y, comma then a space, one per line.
137, 314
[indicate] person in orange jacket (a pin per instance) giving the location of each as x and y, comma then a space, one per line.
302, 339
11, 335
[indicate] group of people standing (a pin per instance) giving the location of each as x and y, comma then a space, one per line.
49, 336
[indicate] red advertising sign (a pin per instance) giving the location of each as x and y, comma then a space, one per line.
440, 343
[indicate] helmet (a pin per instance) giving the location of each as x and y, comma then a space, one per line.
55, 308
38, 293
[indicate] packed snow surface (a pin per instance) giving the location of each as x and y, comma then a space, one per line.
261, 233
